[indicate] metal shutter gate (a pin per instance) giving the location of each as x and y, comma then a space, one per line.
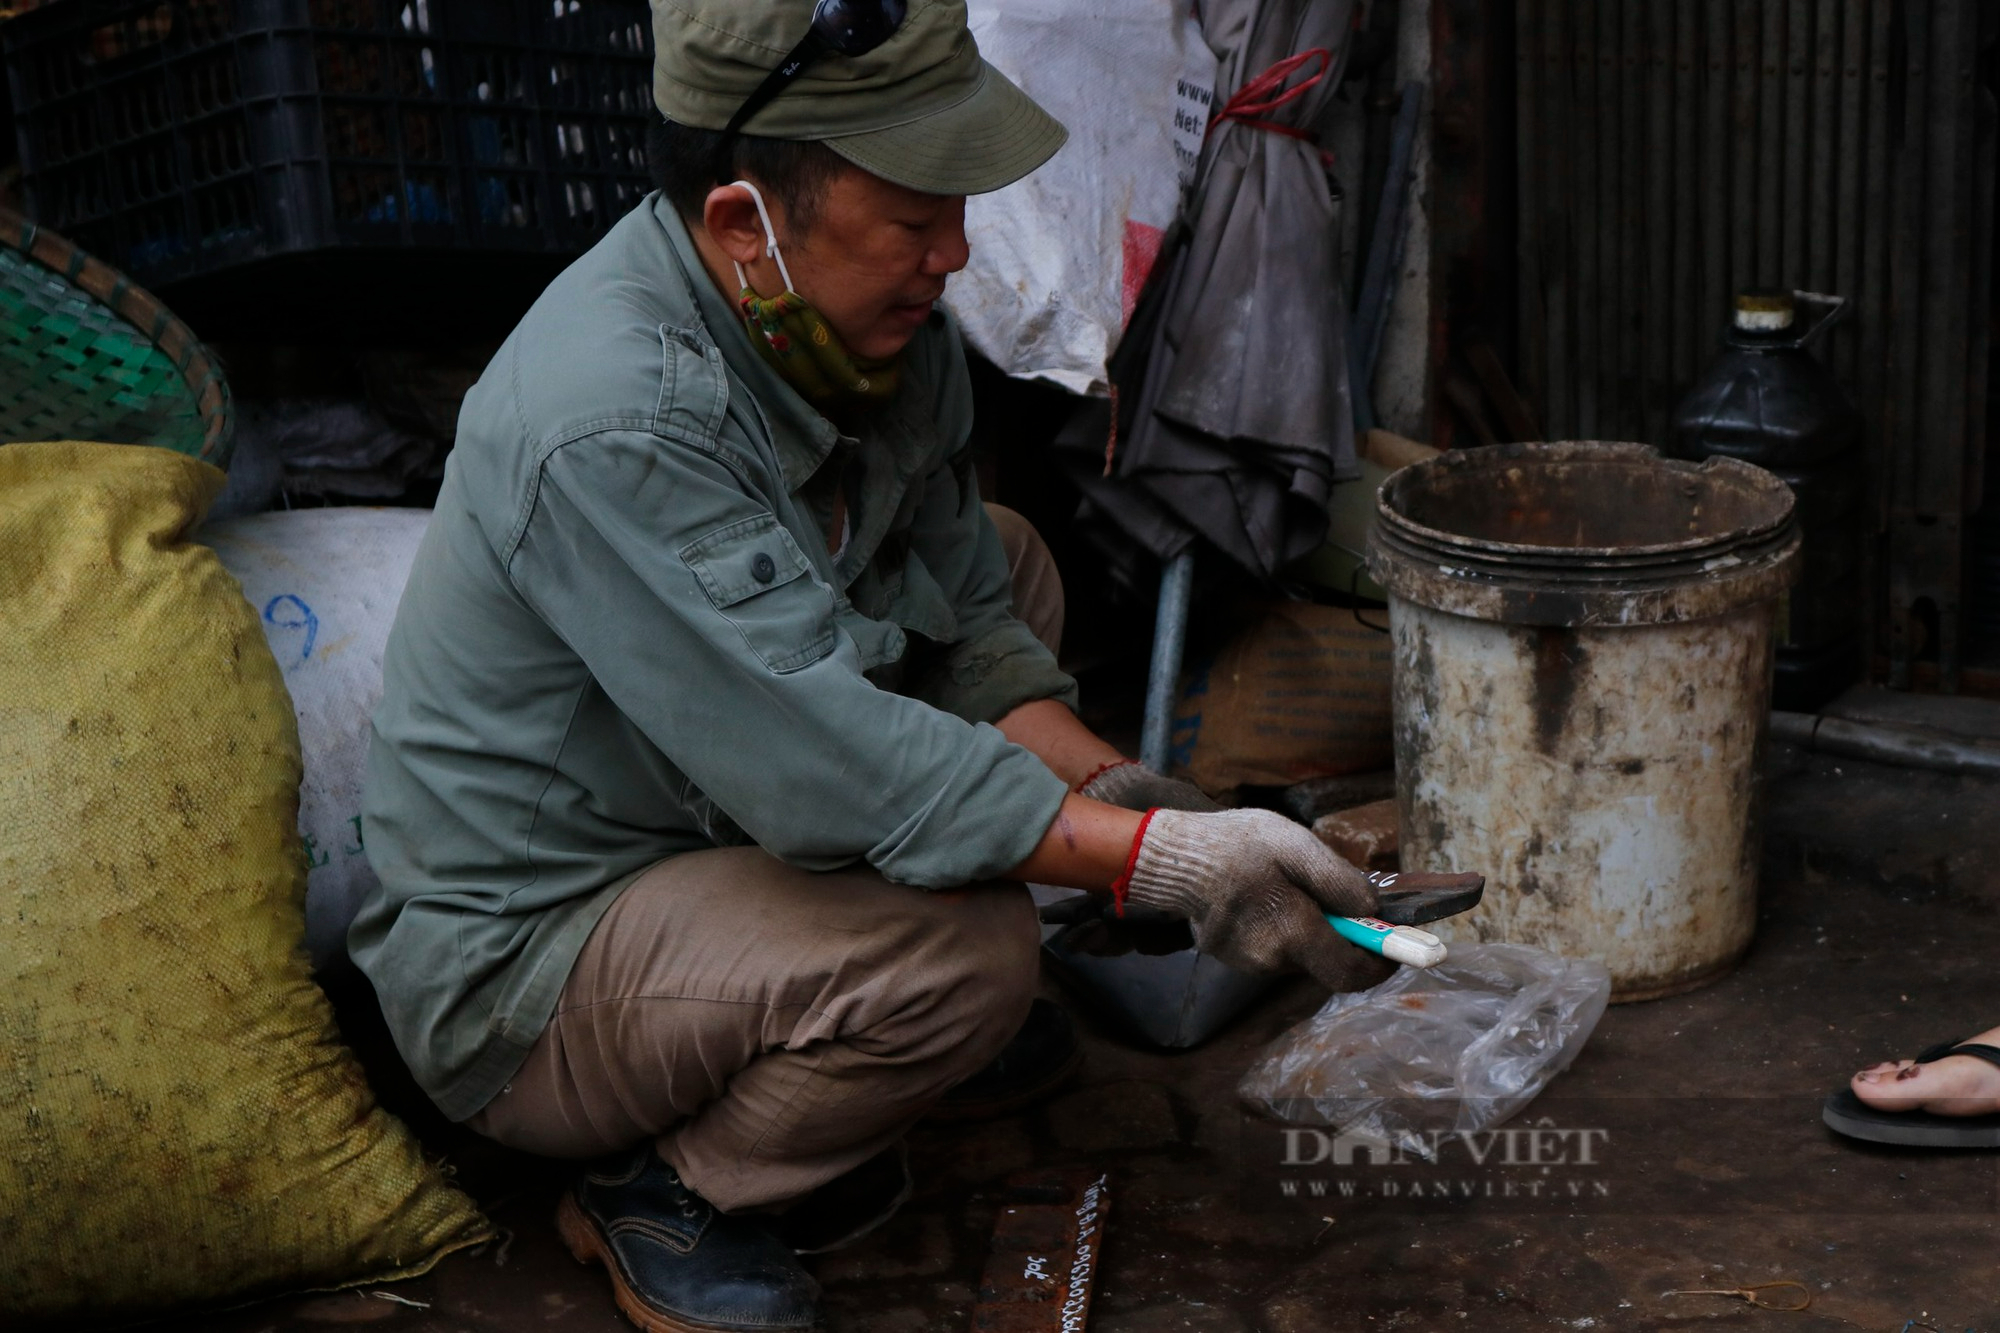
1672, 152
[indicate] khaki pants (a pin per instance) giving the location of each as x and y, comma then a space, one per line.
769, 1027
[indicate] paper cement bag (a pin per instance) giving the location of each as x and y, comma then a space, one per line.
1303, 693
1058, 258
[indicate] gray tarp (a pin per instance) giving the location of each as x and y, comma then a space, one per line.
1236, 419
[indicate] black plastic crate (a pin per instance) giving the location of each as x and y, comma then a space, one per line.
178, 138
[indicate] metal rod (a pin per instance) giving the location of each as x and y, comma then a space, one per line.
1169, 640
1385, 247
1902, 746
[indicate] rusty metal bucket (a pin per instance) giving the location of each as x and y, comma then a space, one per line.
1583, 640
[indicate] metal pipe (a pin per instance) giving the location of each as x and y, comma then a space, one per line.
1385, 249
1169, 641
1904, 747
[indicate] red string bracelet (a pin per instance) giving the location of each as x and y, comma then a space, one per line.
1123, 883
1100, 771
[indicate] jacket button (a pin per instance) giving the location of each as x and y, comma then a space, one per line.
763, 568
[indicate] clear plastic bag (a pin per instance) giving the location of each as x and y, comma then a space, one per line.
1457, 1048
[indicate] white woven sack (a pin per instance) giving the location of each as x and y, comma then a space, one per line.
1058, 258
324, 584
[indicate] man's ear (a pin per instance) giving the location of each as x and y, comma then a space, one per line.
730, 217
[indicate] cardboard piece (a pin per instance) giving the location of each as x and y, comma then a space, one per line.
1303, 693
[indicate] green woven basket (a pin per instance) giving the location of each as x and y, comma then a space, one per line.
87, 355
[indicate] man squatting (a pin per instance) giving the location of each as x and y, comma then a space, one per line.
722, 723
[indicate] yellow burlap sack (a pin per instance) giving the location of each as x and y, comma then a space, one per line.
179, 1122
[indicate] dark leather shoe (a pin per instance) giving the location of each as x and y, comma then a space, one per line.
1040, 1058
848, 1207
676, 1264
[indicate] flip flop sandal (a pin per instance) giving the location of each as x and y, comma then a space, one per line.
1845, 1113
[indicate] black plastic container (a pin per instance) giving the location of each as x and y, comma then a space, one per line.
187, 137
1768, 400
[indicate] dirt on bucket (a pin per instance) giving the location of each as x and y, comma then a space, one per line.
1582, 636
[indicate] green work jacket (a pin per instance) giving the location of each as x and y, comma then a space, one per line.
624, 638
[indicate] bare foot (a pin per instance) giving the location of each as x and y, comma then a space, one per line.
1955, 1085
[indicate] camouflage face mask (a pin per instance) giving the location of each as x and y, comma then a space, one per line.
802, 347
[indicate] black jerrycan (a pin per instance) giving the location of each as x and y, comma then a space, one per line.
1768, 400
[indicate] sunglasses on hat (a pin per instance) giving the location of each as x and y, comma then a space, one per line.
839, 27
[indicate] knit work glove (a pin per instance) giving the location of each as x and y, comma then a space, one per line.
1089, 924
1132, 786
1257, 889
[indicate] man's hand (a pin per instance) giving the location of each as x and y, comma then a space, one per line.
1091, 926
1256, 888
1131, 785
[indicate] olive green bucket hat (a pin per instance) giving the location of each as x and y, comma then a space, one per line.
922, 109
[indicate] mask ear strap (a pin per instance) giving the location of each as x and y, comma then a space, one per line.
770, 236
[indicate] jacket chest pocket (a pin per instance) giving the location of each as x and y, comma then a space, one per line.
758, 579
